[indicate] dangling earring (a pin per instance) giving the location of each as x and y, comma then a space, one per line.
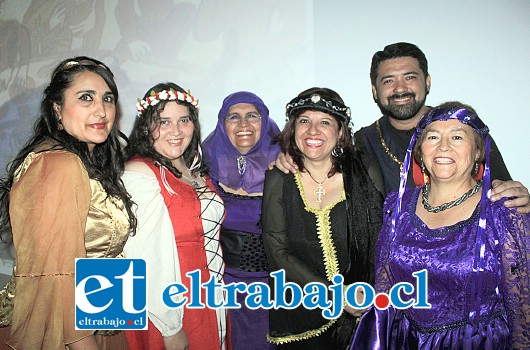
424, 172
476, 167
56, 110
337, 152
197, 160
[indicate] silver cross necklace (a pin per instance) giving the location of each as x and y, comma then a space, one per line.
320, 191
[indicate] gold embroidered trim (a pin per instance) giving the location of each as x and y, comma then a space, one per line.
7, 301
331, 262
45, 275
300, 336
387, 150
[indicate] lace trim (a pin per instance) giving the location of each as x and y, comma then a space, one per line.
300, 336
324, 232
452, 325
441, 231
236, 195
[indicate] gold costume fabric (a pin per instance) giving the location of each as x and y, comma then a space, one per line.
57, 215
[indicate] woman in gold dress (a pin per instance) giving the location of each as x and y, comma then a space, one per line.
64, 199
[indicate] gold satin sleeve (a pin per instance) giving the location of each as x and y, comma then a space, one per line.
49, 206
107, 224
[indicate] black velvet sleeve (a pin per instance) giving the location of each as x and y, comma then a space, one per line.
498, 168
280, 254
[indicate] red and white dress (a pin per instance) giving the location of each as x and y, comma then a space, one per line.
178, 232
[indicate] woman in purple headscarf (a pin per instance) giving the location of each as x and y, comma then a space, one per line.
476, 252
238, 152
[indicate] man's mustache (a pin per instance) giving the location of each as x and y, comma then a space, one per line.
403, 95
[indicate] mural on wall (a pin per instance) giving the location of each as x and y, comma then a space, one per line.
212, 47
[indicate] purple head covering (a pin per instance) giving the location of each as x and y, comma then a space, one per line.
226, 164
465, 116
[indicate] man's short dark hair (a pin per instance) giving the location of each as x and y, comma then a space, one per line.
397, 50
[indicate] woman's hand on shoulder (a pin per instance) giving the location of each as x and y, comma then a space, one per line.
285, 163
178, 341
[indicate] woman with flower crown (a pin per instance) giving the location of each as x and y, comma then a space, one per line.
179, 218
476, 252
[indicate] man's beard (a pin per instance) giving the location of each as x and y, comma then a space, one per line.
402, 112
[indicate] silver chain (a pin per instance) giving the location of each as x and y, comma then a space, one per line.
442, 207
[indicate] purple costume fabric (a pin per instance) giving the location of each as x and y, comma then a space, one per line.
221, 156
243, 214
241, 231
448, 254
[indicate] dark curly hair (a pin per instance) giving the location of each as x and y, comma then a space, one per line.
141, 138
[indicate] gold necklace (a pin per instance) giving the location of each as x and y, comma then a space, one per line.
320, 191
387, 150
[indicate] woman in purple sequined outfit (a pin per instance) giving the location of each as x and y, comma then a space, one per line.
238, 152
476, 252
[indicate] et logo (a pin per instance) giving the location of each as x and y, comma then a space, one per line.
110, 294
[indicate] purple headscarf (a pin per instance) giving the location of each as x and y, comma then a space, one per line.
225, 162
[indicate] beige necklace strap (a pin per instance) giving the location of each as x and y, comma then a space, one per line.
387, 150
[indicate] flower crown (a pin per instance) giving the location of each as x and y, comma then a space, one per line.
165, 95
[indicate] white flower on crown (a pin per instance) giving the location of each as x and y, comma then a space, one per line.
164, 95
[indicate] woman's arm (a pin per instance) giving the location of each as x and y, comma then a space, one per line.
49, 207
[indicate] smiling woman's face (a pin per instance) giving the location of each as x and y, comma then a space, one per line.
175, 132
88, 110
243, 126
316, 134
449, 150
